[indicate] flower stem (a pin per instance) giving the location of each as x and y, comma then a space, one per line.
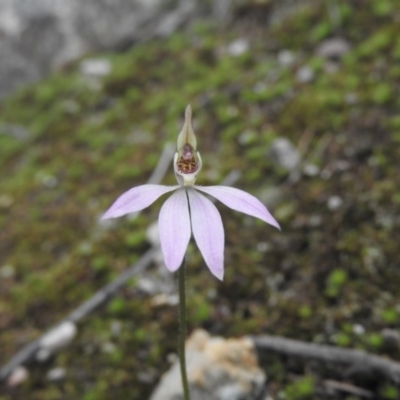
182, 328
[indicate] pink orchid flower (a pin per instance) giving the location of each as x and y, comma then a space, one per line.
188, 211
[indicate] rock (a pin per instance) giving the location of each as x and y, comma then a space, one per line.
7, 271
305, 74
285, 154
391, 337
238, 47
56, 339
311, 170
17, 377
333, 48
37, 36
286, 58
218, 369
95, 67
56, 374
334, 202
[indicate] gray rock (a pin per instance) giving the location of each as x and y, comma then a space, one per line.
333, 48
17, 377
218, 369
334, 203
285, 154
311, 170
286, 58
305, 74
56, 374
37, 36
95, 67
238, 47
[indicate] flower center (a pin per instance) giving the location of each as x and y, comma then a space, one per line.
187, 162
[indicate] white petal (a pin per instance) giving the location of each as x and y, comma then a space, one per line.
136, 199
174, 228
240, 201
208, 231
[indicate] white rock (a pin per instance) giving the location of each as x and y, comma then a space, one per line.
358, 329
238, 47
284, 152
7, 271
333, 48
165, 300
95, 67
311, 170
218, 369
334, 202
286, 58
6, 201
18, 376
305, 74
56, 374
59, 337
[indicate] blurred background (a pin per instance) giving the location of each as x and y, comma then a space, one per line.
300, 96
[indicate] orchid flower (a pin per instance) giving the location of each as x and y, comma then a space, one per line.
187, 210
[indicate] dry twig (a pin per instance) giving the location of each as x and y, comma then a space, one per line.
358, 359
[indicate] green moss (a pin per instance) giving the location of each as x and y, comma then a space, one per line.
302, 389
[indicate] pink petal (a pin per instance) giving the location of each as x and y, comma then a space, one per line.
174, 227
240, 201
208, 231
136, 199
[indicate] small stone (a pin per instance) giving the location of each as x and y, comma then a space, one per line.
333, 48
334, 202
56, 374
263, 247
18, 376
50, 181
95, 67
108, 347
305, 74
286, 58
6, 201
7, 271
351, 98
165, 300
358, 329
315, 220
285, 154
311, 170
116, 328
391, 336
247, 137
326, 174
147, 286
59, 337
238, 47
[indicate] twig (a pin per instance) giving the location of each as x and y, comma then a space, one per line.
104, 294
329, 354
100, 297
347, 388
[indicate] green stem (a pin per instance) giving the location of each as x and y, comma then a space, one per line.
182, 328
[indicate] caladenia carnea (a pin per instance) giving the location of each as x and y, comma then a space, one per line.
187, 211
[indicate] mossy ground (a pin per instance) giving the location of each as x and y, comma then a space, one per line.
328, 273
